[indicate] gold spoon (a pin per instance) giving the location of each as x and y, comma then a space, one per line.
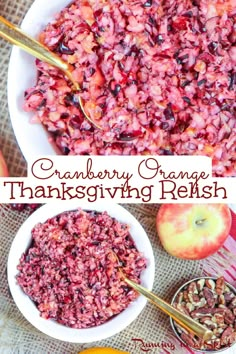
183, 320
16, 36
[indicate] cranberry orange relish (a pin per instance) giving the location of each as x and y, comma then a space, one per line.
71, 272
159, 77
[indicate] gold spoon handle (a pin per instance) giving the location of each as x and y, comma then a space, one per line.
185, 321
17, 37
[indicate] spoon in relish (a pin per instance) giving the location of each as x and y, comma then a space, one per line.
182, 319
16, 36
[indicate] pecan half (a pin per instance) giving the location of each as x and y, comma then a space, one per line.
217, 343
218, 310
210, 324
221, 306
203, 319
182, 308
187, 339
179, 297
227, 289
190, 307
221, 300
185, 295
200, 284
192, 288
209, 296
210, 284
229, 296
227, 332
202, 312
218, 318
220, 286
226, 335
201, 303
194, 299
232, 338
232, 303
222, 325
218, 331
229, 317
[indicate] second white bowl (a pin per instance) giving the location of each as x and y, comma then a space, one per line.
23, 240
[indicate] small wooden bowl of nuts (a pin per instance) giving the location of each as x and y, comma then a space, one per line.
211, 302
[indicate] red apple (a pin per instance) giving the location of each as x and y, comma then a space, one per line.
193, 231
3, 167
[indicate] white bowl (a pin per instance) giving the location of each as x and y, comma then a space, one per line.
22, 74
227, 348
27, 307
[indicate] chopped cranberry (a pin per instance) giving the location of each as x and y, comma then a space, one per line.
34, 206
18, 207
200, 135
188, 14
67, 299
95, 29
159, 39
182, 59
168, 112
152, 20
213, 47
185, 83
206, 57
129, 136
98, 13
232, 37
114, 88
211, 24
134, 50
180, 24
68, 99
148, 3
65, 115
225, 107
151, 41
64, 49
66, 150
167, 152
27, 95
182, 127
186, 99
124, 79
76, 121
83, 27
92, 71
201, 82
232, 81
42, 104
72, 100
22, 207
126, 289
153, 123
165, 126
